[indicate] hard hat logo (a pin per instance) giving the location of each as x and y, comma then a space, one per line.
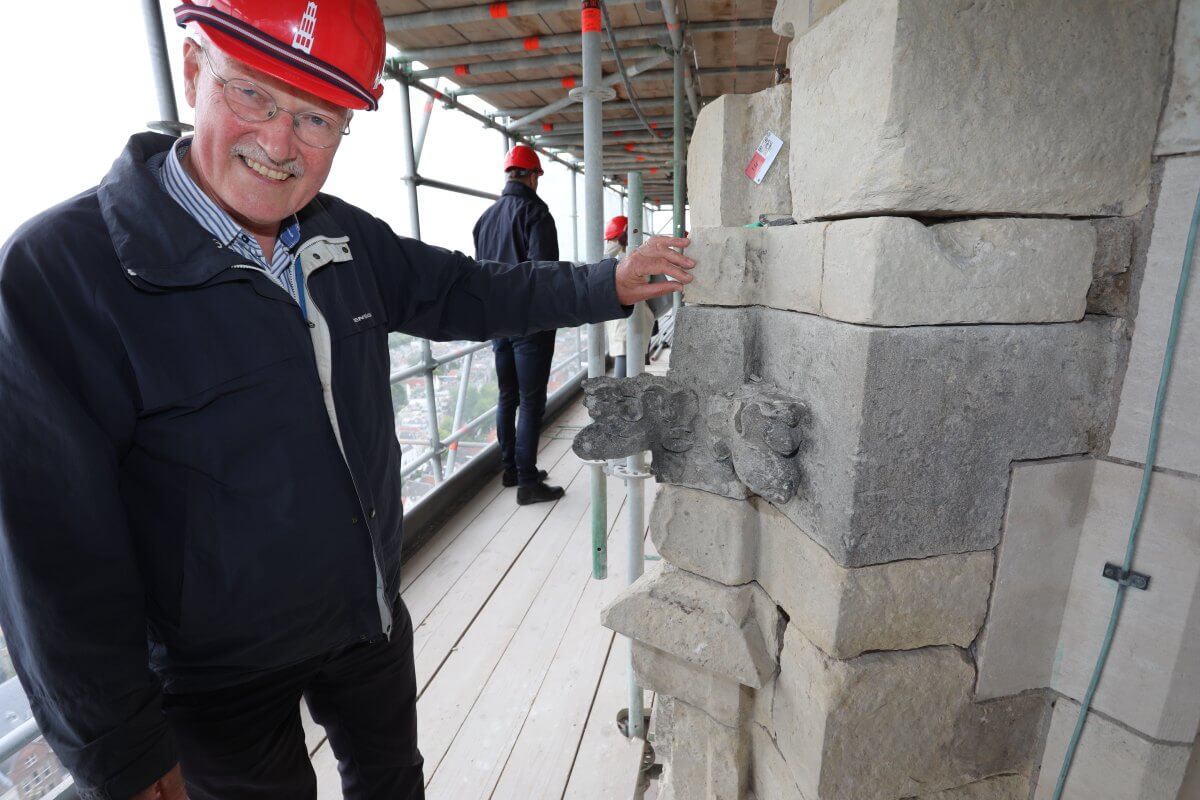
279, 37
306, 30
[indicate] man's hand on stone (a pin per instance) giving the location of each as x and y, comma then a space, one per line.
654, 257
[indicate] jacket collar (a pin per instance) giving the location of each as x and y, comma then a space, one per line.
518, 189
155, 238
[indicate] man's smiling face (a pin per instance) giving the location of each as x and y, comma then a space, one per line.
259, 173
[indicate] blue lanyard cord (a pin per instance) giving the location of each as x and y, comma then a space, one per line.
301, 300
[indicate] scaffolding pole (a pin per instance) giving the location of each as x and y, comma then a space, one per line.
160, 63
677, 65
635, 485
592, 94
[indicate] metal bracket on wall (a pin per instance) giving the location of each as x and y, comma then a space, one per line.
1134, 580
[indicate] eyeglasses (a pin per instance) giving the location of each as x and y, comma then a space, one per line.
250, 102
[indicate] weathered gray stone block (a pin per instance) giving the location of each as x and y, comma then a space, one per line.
1111, 761
1179, 129
727, 132
1152, 676
723, 699
948, 106
1179, 439
770, 777
1047, 502
890, 725
1002, 787
1109, 292
895, 606
733, 632
896, 271
908, 432
708, 760
793, 18
778, 267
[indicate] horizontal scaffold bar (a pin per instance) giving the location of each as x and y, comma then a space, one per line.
483, 12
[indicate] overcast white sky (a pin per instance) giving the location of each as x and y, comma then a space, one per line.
77, 82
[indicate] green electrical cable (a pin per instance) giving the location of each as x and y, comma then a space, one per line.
1139, 509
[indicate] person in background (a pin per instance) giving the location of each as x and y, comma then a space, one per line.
200, 506
616, 240
517, 228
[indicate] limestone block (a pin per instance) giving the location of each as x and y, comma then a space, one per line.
1191, 779
723, 699
1179, 129
1002, 787
890, 725
909, 432
708, 760
731, 631
952, 107
1109, 292
896, 606
1111, 761
1047, 502
777, 266
793, 18
770, 777
1152, 676
1179, 439
896, 271
726, 134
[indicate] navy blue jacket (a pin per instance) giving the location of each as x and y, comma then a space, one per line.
176, 510
516, 228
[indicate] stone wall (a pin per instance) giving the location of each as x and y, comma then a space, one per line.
901, 437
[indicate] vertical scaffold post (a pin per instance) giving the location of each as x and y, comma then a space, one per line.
410, 162
575, 247
680, 164
161, 64
593, 217
635, 486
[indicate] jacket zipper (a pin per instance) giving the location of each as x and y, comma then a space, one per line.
385, 612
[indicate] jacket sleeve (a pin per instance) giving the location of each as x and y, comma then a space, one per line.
543, 238
71, 598
442, 295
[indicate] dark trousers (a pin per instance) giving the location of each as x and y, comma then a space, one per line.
247, 742
523, 368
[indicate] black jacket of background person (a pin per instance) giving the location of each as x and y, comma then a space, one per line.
195, 485
517, 228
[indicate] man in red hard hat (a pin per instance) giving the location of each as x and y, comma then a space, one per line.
200, 517
517, 228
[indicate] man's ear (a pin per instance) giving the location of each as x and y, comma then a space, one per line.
191, 70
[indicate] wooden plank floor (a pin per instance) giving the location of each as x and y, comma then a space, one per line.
519, 684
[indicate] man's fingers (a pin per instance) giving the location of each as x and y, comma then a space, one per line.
670, 241
651, 290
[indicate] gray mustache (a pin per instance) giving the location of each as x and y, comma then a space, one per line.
255, 153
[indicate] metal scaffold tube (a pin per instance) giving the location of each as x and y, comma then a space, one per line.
593, 218
635, 486
522, 63
410, 162
678, 200
482, 12
164, 87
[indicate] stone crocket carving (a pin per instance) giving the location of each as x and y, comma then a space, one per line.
749, 440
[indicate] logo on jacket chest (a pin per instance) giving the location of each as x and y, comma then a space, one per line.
363, 317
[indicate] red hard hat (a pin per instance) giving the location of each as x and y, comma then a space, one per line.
522, 156
615, 228
333, 49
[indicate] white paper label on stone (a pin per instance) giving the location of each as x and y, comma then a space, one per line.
764, 157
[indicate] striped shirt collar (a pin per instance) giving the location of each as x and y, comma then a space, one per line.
179, 184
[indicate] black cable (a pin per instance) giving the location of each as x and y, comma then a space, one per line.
633, 100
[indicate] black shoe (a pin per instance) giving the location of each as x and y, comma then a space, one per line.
509, 478
539, 492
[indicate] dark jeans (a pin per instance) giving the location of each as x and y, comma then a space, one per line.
523, 368
247, 742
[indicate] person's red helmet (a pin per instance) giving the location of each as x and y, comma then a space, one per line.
522, 156
616, 228
333, 49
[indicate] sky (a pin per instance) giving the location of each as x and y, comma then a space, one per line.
84, 79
